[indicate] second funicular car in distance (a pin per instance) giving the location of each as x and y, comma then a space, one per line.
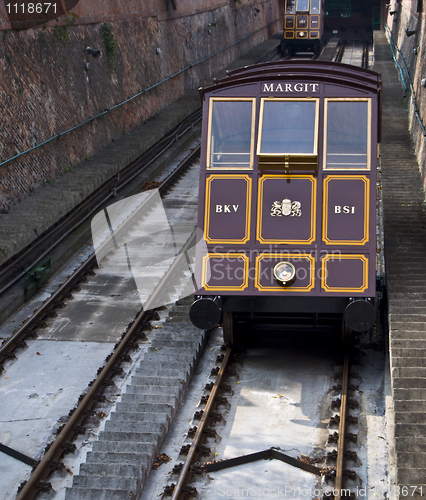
303, 22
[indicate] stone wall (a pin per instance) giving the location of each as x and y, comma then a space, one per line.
49, 85
412, 59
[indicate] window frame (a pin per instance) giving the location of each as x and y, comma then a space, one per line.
287, 8
347, 99
212, 100
305, 10
314, 154
315, 13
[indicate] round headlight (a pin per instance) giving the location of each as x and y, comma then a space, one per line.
284, 272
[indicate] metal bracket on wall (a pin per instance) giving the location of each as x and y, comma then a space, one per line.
173, 2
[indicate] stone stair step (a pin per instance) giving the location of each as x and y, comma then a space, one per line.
408, 358
149, 399
417, 393
124, 447
134, 437
410, 443
146, 409
410, 429
404, 416
408, 343
139, 459
410, 372
407, 382
99, 482
170, 390
158, 381
112, 470
142, 422
96, 494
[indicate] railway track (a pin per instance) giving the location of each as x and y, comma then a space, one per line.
355, 53
52, 311
47, 309
257, 405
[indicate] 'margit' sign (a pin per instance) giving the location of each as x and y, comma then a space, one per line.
289, 87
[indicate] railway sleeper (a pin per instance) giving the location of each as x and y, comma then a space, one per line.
59, 304
333, 438
204, 450
69, 447
350, 419
9, 355
197, 469
209, 432
40, 324
185, 449
351, 403
189, 490
31, 334
44, 486
350, 436
168, 489
351, 387
55, 465
192, 431
328, 473
177, 468
349, 455
351, 474
335, 420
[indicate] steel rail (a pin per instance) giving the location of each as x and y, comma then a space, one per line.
365, 55
87, 208
183, 476
55, 452
7, 348
341, 444
340, 52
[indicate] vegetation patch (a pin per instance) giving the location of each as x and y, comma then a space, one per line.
111, 46
61, 33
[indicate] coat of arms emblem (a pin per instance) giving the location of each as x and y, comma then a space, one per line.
286, 207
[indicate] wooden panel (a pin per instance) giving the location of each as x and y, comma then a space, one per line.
286, 209
346, 210
344, 273
227, 208
225, 272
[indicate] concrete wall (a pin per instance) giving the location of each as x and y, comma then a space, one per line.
413, 51
45, 88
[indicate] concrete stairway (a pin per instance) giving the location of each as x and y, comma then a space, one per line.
121, 459
405, 254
